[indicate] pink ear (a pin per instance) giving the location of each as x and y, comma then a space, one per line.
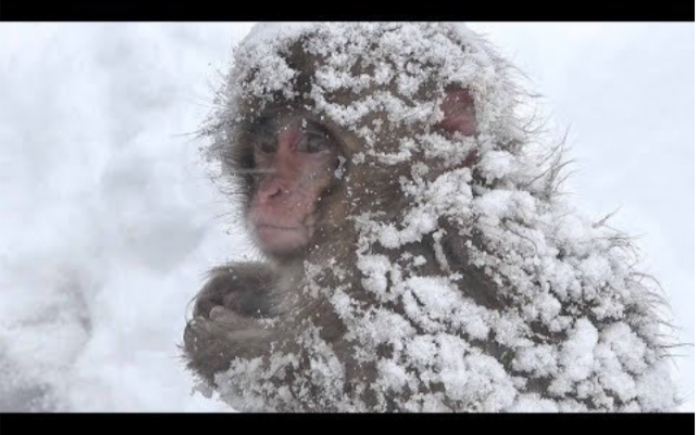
460, 116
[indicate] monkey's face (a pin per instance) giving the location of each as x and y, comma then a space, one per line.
294, 159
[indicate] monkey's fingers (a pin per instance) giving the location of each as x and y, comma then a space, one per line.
231, 319
225, 323
232, 341
219, 313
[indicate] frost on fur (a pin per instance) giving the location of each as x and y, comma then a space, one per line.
571, 326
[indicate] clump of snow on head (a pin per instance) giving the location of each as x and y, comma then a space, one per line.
576, 329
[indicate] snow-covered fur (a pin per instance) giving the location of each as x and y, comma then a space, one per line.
557, 318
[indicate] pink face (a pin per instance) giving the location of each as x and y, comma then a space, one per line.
296, 163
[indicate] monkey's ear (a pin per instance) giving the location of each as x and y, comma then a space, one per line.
459, 113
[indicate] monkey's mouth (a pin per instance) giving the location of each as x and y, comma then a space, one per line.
282, 239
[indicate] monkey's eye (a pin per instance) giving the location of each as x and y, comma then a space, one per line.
263, 136
265, 146
313, 142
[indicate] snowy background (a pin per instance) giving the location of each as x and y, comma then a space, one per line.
108, 218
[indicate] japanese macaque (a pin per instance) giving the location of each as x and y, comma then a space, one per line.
417, 255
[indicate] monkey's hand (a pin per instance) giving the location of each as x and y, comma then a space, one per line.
230, 318
242, 288
211, 343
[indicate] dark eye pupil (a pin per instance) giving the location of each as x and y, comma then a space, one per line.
313, 143
265, 146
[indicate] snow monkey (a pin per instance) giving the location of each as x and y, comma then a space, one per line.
418, 256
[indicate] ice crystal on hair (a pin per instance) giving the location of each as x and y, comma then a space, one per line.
572, 326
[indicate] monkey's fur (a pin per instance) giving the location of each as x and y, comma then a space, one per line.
279, 325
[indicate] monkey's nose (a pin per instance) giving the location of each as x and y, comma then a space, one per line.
270, 193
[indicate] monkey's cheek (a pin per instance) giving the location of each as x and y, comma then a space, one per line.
276, 240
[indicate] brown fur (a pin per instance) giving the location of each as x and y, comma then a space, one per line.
257, 292
269, 305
